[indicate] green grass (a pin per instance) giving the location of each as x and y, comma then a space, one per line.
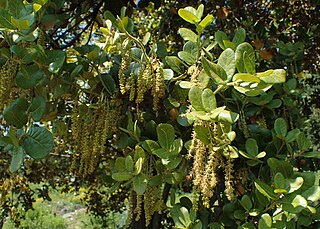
65, 211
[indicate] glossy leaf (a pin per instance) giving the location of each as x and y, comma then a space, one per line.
37, 107
273, 76
188, 16
239, 36
38, 143
15, 114
140, 183
265, 190
188, 35
166, 135
204, 23
283, 167
121, 176
215, 71
227, 61
220, 36
240, 63
203, 134
17, 159
29, 76
175, 64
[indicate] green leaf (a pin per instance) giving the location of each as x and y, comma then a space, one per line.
239, 36
228, 116
280, 127
188, 35
120, 164
252, 147
273, 76
240, 63
295, 184
312, 154
38, 143
15, 114
204, 23
121, 176
17, 159
227, 61
187, 57
188, 16
140, 183
265, 190
37, 108
109, 83
249, 63
129, 163
175, 64
56, 59
220, 36
166, 135
172, 162
208, 100
29, 76
304, 143
155, 181
203, 134
265, 222
279, 181
199, 11
215, 71
299, 201
5, 20
195, 98
312, 194
283, 167
246, 202
180, 216
167, 74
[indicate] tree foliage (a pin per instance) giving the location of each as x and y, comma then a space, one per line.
198, 129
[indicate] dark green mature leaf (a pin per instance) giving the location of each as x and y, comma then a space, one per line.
29, 76
17, 159
38, 143
252, 147
55, 60
38, 108
228, 116
180, 216
166, 135
220, 36
304, 143
15, 114
5, 20
227, 62
140, 183
215, 71
283, 167
239, 36
280, 127
109, 83
240, 63
203, 134
246, 202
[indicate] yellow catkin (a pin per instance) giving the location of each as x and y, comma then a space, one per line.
7, 74
144, 82
158, 89
243, 126
228, 169
149, 204
138, 208
262, 122
124, 66
131, 85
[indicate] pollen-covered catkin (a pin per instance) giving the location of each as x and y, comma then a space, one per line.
7, 74
158, 89
126, 58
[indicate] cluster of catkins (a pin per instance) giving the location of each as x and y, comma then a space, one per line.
207, 159
90, 130
136, 79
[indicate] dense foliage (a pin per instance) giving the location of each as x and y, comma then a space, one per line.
165, 111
